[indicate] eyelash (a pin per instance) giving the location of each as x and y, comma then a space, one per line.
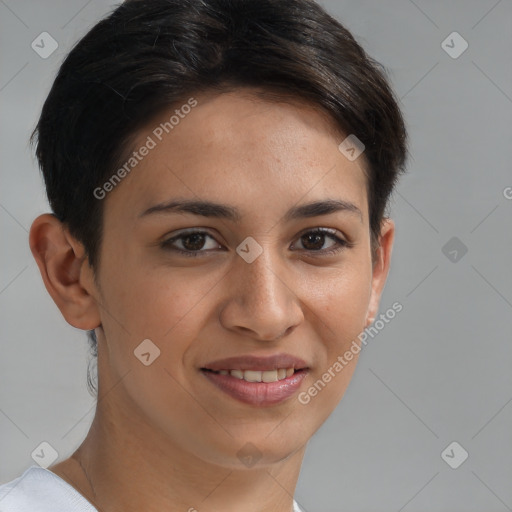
341, 244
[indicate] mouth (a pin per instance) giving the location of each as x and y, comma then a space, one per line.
258, 375
260, 381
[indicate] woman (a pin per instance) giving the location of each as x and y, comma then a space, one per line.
218, 173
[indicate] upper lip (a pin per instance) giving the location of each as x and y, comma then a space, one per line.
249, 362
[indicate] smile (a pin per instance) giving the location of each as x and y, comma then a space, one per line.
259, 376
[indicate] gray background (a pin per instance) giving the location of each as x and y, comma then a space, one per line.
439, 372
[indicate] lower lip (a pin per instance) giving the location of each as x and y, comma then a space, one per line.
257, 393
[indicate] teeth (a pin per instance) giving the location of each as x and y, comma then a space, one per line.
252, 376
269, 376
260, 376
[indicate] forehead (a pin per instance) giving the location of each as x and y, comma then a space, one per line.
240, 147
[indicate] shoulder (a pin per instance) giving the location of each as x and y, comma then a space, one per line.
40, 490
296, 507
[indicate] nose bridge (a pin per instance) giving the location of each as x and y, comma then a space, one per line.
260, 279
260, 298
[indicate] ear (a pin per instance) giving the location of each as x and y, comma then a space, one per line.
65, 271
381, 267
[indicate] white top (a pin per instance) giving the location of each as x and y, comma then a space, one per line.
40, 490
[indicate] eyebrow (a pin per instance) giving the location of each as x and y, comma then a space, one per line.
231, 213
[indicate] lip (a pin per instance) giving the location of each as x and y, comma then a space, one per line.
260, 363
257, 393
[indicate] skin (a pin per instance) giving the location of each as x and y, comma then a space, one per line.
163, 437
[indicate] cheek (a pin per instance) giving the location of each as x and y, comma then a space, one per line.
340, 307
168, 306
341, 299
340, 312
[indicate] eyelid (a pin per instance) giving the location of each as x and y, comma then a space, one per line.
328, 231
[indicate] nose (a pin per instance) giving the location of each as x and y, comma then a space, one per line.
262, 300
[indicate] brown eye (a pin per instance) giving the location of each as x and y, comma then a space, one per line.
314, 241
193, 242
190, 243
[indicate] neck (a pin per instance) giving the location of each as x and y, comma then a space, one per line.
126, 465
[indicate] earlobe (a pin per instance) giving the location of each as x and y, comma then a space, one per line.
61, 260
381, 267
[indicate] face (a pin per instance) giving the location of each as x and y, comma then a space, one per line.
255, 275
